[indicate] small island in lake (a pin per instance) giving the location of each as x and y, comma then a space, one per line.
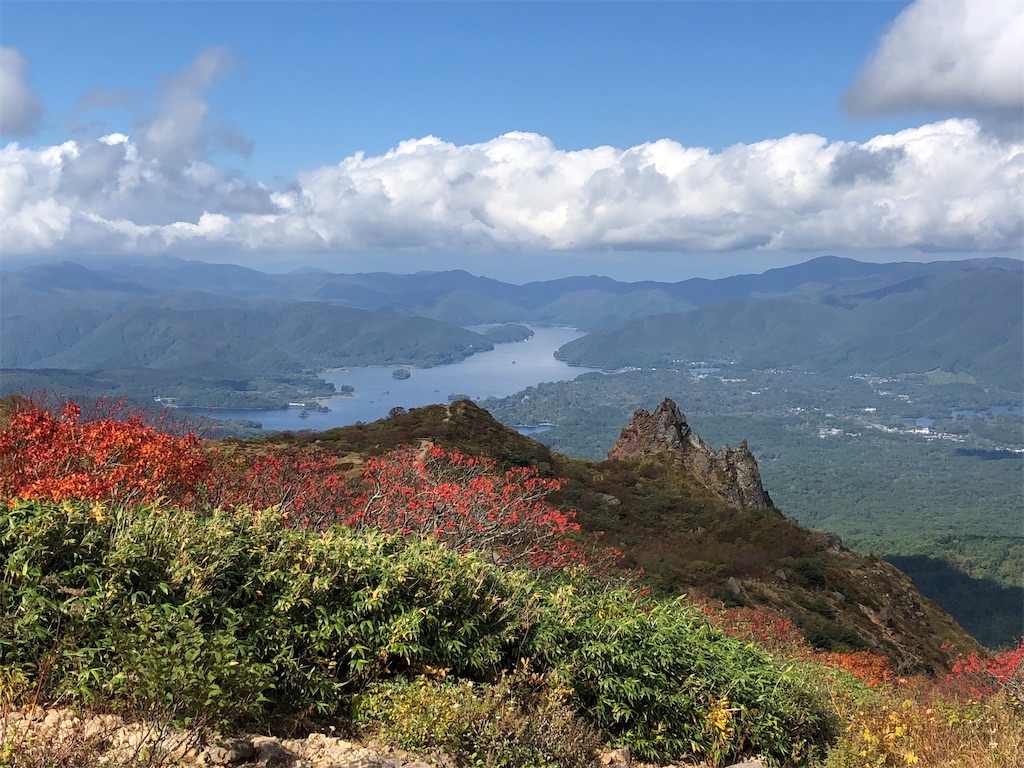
401, 373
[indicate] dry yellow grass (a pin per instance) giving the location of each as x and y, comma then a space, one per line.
907, 725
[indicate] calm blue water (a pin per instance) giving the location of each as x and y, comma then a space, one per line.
507, 369
534, 429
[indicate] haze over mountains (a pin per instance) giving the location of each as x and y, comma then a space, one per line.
847, 312
966, 322
459, 298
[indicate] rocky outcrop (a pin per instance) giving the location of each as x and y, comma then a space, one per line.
731, 473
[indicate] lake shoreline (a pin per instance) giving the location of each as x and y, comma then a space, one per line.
508, 368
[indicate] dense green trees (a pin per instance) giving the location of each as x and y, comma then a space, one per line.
892, 494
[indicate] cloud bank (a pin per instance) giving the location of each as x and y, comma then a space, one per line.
945, 186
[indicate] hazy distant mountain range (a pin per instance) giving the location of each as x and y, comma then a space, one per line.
227, 326
967, 322
457, 297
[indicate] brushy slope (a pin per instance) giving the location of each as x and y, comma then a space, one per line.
238, 620
687, 540
126, 589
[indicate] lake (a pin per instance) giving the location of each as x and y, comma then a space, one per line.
503, 371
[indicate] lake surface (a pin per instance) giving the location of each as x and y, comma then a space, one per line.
506, 369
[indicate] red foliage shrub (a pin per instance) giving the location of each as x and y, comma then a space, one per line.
871, 668
980, 675
471, 505
116, 455
466, 502
768, 628
306, 486
778, 634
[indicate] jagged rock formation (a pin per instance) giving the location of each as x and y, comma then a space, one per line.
680, 525
731, 473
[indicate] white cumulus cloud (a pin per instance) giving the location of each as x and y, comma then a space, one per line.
20, 107
944, 186
965, 56
947, 186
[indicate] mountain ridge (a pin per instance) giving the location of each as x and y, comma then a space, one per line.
970, 322
689, 536
486, 299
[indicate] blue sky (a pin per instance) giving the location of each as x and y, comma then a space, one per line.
624, 138
365, 76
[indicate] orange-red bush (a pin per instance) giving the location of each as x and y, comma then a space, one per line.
466, 502
118, 457
766, 627
982, 675
871, 668
307, 486
469, 504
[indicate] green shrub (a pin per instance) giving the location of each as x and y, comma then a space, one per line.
811, 572
829, 636
505, 725
236, 615
232, 619
655, 677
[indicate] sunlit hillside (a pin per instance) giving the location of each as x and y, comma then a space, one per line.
413, 590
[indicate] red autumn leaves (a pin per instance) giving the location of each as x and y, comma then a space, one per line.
471, 505
982, 675
468, 503
120, 458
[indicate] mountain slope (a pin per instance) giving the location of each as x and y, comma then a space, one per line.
690, 537
967, 322
267, 336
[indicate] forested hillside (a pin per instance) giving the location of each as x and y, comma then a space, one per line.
968, 323
261, 354
845, 454
269, 337
423, 581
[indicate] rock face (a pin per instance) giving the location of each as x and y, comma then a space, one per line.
731, 473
